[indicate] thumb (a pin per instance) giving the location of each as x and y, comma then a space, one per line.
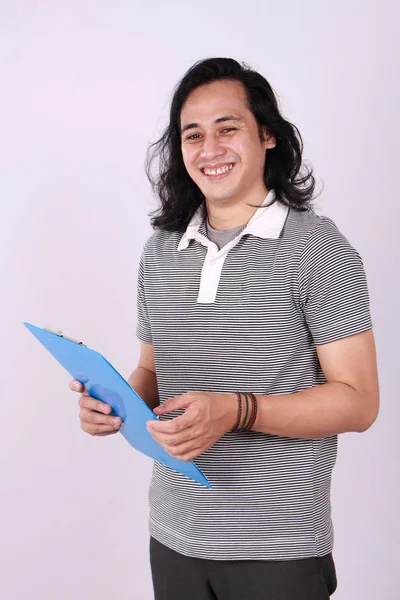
173, 404
77, 386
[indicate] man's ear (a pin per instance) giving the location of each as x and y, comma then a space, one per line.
268, 139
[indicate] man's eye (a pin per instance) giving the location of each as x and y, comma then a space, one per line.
195, 136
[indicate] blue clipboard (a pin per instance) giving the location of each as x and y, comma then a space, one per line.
104, 383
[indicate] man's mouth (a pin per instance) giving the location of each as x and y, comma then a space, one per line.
217, 172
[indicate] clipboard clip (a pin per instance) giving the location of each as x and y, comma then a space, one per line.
60, 334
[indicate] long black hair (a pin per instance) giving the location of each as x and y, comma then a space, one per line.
179, 195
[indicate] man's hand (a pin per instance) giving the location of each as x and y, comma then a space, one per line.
208, 416
94, 415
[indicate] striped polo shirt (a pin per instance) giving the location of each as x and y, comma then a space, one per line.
248, 317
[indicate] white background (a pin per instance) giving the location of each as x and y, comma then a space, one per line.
84, 88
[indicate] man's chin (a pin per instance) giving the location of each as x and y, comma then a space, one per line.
218, 195
219, 198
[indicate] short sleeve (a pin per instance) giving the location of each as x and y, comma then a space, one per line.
332, 285
143, 329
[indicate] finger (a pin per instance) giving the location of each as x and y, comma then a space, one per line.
93, 404
186, 451
191, 455
77, 386
92, 416
175, 439
175, 425
96, 429
173, 404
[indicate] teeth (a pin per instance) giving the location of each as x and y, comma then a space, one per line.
219, 171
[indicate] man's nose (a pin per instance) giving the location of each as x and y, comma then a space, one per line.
212, 147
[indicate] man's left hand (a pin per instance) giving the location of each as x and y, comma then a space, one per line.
207, 417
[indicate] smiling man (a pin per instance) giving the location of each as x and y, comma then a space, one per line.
257, 349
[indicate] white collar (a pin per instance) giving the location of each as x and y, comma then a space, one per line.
267, 222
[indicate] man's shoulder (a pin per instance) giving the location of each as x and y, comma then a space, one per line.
162, 242
311, 227
320, 241
308, 220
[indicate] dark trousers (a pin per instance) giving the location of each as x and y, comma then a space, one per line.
179, 577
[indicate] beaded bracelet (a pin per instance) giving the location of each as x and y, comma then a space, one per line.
246, 413
249, 417
236, 427
253, 416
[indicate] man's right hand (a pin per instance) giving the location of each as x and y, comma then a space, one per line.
94, 415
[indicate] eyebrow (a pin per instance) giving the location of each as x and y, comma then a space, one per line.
219, 120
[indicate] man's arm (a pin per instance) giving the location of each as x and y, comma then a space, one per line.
143, 379
348, 402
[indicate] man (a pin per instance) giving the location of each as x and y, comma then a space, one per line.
256, 349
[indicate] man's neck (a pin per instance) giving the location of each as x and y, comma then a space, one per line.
223, 216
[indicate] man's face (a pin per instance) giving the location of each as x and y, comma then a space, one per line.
220, 132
